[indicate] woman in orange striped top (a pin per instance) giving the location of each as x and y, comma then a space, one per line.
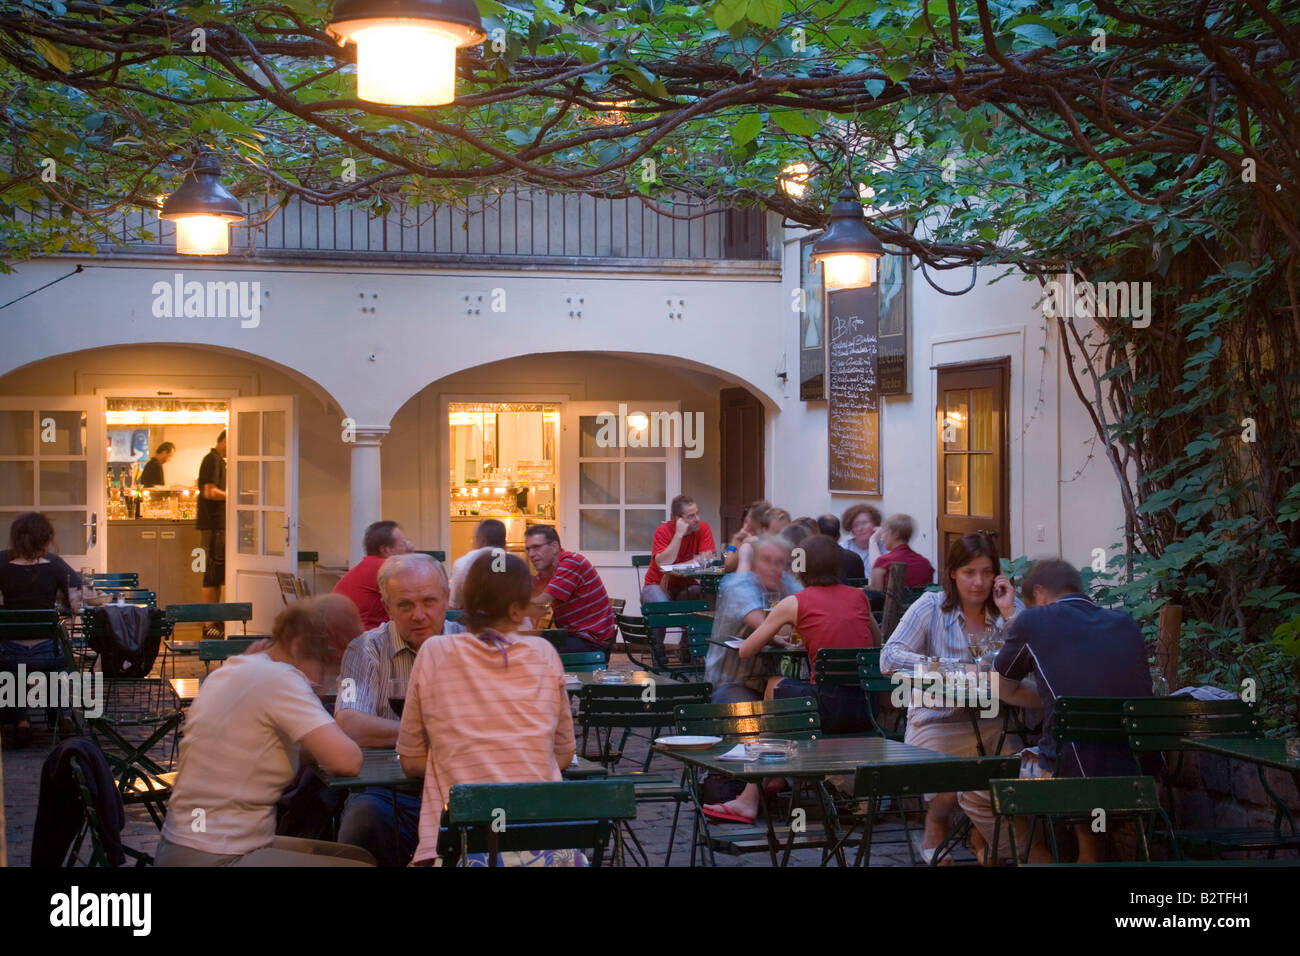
488, 706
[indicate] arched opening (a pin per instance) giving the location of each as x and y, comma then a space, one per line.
76, 428
521, 440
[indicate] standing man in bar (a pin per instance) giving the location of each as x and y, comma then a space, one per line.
152, 475
210, 519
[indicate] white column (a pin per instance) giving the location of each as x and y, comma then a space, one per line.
367, 488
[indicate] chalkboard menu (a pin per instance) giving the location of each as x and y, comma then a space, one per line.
853, 417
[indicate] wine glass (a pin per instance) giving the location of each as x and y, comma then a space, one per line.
397, 695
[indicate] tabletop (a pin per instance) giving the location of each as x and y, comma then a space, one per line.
588, 678
185, 688
1271, 752
380, 767
797, 651
824, 757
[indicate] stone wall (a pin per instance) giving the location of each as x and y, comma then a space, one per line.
1211, 791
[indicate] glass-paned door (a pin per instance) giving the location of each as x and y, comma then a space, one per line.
52, 460
972, 436
620, 474
261, 502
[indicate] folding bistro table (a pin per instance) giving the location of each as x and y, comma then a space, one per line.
812, 761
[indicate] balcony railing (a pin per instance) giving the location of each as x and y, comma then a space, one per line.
517, 222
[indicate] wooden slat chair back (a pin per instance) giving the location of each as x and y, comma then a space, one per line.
794, 717
288, 586
1172, 724
241, 611
636, 640
131, 596
211, 650
1090, 720
536, 816
1078, 799
893, 599
133, 696
607, 708
583, 663
841, 667
114, 579
874, 784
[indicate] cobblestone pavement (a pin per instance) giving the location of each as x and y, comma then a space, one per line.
21, 781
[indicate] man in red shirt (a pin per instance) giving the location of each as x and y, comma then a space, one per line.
897, 532
678, 540
361, 584
567, 583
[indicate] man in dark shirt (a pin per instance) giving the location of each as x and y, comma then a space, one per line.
152, 476
212, 522
1074, 649
851, 566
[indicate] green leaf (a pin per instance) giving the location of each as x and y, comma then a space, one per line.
727, 13
746, 128
797, 122
54, 54
766, 13
875, 87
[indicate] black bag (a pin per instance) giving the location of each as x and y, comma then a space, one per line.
126, 638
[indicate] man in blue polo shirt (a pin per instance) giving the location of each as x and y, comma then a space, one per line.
1074, 649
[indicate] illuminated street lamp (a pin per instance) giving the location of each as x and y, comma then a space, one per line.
202, 209
406, 49
847, 248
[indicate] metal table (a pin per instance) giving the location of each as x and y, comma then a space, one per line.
1263, 751
814, 760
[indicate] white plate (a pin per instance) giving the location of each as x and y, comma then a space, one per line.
688, 743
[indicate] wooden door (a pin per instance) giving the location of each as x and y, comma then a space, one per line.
973, 480
742, 457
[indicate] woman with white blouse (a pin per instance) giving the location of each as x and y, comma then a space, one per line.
975, 599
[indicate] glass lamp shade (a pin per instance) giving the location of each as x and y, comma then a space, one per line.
202, 235
847, 247
406, 49
202, 209
847, 270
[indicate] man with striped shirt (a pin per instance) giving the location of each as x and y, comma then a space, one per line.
415, 597
567, 583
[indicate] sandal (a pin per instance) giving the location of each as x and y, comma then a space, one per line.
724, 815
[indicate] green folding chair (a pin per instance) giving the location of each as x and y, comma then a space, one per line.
114, 579
131, 596
240, 611
841, 667
1089, 720
1172, 724
640, 561
92, 828
1049, 801
495, 817
681, 616
42, 624
794, 718
874, 681
640, 711
637, 644
873, 784
559, 638
141, 780
214, 651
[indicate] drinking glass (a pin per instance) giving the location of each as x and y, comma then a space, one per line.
397, 696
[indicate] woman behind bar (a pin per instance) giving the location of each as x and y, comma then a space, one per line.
243, 736
33, 578
489, 706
